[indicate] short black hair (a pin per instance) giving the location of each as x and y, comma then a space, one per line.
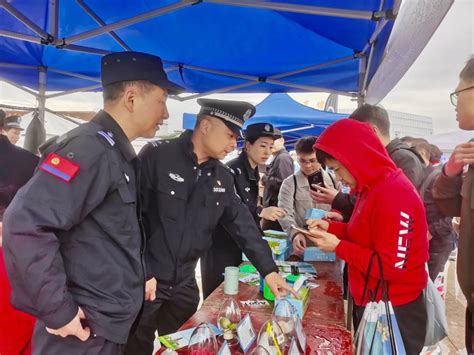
113, 91
407, 139
323, 157
252, 139
467, 73
422, 145
374, 115
305, 145
435, 154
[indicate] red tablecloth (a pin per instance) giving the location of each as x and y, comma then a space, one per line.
324, 321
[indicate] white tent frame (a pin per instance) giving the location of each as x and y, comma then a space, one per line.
44, 38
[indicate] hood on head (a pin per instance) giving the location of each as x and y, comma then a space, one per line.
355, 145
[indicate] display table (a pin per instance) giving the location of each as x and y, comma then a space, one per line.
324, 321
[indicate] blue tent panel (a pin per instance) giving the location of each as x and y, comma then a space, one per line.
239, 40
294, 119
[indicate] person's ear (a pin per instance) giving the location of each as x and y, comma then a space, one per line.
205, 126
129, 97
376, 130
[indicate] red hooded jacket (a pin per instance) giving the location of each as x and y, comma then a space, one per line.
388, 217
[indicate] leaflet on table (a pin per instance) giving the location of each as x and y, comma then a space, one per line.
181, 339
246, 333
250, 279
301, 335
302, 267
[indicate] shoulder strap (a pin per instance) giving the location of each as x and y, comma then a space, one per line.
294, 187
332, 179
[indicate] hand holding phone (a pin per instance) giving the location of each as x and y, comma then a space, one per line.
304, 231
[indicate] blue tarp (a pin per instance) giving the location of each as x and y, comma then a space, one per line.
294, 119
212, 36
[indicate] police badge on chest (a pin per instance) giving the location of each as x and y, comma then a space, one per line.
218, 188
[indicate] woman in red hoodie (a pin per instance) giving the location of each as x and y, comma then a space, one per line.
388, 218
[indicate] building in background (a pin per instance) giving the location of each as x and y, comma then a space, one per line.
406, 124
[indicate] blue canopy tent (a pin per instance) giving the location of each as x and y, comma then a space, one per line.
208, 46
292, 118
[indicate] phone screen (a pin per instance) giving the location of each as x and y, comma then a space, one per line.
316, 179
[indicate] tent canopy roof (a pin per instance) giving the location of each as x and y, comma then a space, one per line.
208, 46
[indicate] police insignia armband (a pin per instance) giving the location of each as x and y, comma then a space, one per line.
59, 167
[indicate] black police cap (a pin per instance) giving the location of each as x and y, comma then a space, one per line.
131, 66
233, 113
257, 130
12, 122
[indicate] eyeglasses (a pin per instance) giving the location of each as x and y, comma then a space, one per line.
454, 95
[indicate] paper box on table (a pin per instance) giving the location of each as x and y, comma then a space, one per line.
278, 246
275, 234
316, 254
301, 304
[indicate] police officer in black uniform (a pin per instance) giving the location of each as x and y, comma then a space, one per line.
72, 237
17, 167
188, 191
259, 139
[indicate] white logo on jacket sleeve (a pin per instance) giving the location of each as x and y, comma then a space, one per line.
404, 236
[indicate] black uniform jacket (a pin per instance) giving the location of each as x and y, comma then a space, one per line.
246, 183
79, 243
183, 203
16, 168
280, 168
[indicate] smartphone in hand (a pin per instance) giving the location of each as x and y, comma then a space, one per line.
316, 179
302, 230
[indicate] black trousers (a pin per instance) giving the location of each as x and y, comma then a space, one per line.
436, 263
224, 252
172, 307
469, 332
48, 344
412, 321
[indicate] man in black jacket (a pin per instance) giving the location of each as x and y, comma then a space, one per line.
73, 245
187, 192
16, 168
280, 168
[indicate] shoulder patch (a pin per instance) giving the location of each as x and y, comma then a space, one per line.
60, 167
108, 136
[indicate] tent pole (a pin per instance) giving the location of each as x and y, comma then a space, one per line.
42, 94
127, 22
302, 9
313, 67
54, 17
18, 66
74, 75
24, 20
21, 36
309, 88
99, 21
86, 88
31, 92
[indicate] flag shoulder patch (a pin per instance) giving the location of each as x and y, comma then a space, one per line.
60, 167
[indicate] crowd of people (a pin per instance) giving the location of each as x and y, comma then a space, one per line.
100, 245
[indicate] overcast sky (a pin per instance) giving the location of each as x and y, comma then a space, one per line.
423, 90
